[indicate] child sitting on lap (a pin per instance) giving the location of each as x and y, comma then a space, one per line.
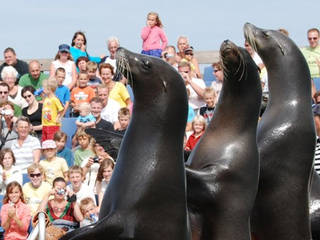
85, 119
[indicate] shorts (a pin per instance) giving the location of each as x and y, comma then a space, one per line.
48, 132
154, 52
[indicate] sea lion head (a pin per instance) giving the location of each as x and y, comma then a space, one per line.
269, 44
236, 61
149, 77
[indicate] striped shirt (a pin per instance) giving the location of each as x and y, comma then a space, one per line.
24, 154
317, 157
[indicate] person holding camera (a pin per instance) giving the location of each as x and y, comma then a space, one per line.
169, 55
8, 134
63, 210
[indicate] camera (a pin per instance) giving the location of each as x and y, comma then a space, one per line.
96, 160
61, 191
165, 55
6, 112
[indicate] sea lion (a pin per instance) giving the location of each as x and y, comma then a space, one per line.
146, 197
286, 139
222, 179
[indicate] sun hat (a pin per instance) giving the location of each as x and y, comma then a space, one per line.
47, 144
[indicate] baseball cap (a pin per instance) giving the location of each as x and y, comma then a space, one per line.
47, 144
64, 48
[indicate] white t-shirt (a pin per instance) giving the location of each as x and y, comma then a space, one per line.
84, 192
68, 67
110, 112
194, 100
91, 174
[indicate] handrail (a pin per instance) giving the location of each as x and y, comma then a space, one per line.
39, 231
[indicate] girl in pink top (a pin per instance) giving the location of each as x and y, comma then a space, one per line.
153, 36
15, 214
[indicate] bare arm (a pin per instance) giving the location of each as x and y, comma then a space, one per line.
74, 77
196, 66
52, 70
36, 155
66, 105
77, 213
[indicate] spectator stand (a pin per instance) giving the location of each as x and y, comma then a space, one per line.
68, 126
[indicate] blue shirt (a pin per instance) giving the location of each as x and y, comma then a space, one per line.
67, 154
88, 118
63, 93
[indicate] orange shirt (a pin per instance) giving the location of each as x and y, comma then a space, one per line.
79, 95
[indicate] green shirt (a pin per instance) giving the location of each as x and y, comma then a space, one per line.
80, 155
28, 80
311, 54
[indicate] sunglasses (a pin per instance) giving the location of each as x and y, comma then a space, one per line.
27, 96
3, 92
216, 70
35, 175
189, 53
312, 38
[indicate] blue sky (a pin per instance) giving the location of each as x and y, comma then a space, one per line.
35, 28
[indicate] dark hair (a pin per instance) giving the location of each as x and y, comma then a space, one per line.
104, 164
27, 89
59, 135
60, 69
3, 84
217, 65
9, 188
82, 58
96, 100
9, 49
58, 179
3, 153
314, 30
75, 36
106, 65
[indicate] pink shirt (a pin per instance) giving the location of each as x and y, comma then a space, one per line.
23, 213
151, 38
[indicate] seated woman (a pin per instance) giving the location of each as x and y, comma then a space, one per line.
117, 91
9, 75
8, 133
15, 214
33, 111
62, 213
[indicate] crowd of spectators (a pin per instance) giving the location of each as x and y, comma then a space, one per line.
68, 183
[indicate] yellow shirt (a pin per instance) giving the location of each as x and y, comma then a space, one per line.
54, 168
120, 94
33, 196
50, 109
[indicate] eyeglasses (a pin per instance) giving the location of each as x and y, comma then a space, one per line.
185, 71
189, 53
27, 96
312, 38
4, 92
35, 175
216, 70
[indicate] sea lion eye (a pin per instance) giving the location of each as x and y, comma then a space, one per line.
146, 64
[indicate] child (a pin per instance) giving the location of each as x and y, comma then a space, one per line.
103, 177
85, 149
152, 34
15, 214
92, 70
86, 119
198, 127
62, 92
62, 151
81, 190
188, 57
9, 172
89, 211
124, 118
53, 166
82, 93
63, 59
52, 110
207, 111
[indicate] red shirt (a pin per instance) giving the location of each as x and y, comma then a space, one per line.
192, 141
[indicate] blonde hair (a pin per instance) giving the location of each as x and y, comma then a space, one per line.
199, 119
85, 106
124, 112
75, 169
210, 91
85, 202
50, 84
